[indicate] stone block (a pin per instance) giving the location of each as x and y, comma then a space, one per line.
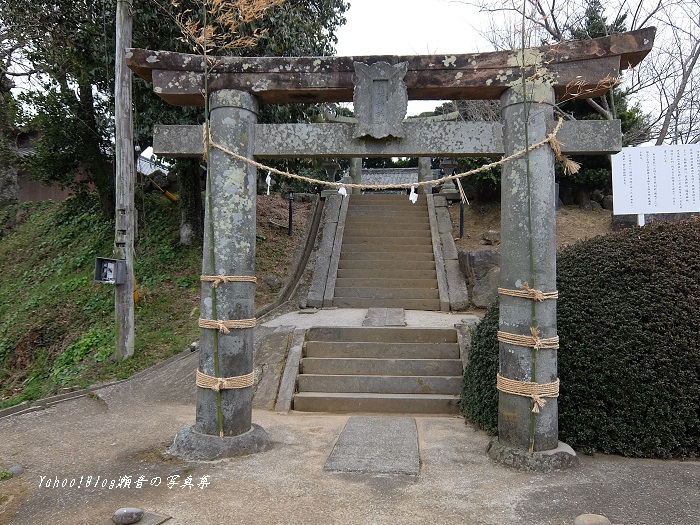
385, 445
475, 264
449, 250
491, 237
485, 291
457, 286
443, 220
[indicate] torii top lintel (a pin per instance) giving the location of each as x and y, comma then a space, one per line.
582, 68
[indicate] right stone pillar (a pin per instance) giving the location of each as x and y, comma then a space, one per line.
528, 260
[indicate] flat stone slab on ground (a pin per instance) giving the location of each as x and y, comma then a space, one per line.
385, 317
381, 445
148, 519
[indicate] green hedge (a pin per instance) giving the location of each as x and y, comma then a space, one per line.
629, 324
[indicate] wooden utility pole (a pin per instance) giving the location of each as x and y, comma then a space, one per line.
125, 173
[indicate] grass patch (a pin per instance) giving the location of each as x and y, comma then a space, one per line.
57, 325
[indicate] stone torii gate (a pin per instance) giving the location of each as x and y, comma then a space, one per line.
528, 83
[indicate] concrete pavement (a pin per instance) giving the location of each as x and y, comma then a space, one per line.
121, 433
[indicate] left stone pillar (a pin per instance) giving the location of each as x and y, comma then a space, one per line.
223, 426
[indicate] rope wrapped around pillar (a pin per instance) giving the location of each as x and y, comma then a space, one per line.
530, 341
525, 292
226, 326
216, 280
224, 383
536, 391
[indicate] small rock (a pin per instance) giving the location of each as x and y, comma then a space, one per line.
16, 470
591, 519
492, 237
194, 346
607, 202
127, 515
595, 205
273, 282
597, 195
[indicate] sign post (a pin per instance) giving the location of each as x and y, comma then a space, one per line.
658, 179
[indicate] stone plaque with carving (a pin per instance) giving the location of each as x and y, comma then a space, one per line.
380, 99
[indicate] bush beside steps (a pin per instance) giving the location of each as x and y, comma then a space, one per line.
628, 319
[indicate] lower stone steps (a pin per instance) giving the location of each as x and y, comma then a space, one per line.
390, 367
379, 370
344, 402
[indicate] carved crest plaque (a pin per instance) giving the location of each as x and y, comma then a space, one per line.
380, 98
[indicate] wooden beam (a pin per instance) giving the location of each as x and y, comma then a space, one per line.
433, 139
579, 65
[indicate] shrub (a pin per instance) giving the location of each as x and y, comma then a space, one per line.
629, 325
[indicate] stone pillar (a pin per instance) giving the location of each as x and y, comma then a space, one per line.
356, 173
424, 174
233, 115
528, 254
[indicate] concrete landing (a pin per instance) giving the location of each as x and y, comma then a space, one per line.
377, 445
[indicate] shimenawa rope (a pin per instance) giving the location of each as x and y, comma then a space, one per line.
537, 391
530, 341
225, 326
216, 280
570, 166
224, 383
526, 292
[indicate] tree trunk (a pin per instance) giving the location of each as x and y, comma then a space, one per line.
9, 188
191, 208
100, 173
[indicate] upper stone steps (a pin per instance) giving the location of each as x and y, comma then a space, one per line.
374, 247
419, 243
386, 261
372, 293
407, 304
348, 273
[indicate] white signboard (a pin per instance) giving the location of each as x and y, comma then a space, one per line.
658, 179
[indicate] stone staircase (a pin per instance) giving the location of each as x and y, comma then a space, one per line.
386, 258
379, 370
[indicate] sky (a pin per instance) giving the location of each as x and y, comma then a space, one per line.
409, 27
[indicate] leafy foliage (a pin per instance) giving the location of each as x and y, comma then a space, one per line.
56, 324
479, 400
71, 47
629, 327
